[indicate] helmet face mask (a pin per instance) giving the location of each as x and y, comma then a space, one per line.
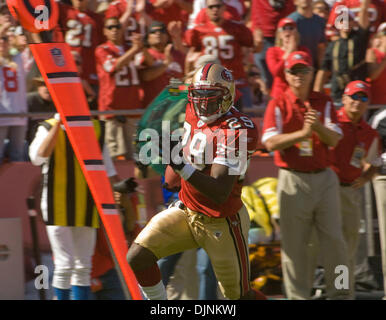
207, 100
212, 92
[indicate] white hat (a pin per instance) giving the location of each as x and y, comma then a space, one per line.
382, 27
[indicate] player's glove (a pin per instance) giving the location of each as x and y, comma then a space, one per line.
176, 159
125, 186
171, 189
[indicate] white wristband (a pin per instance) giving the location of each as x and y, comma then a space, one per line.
186, 172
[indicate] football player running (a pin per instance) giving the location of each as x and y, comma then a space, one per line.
216, 146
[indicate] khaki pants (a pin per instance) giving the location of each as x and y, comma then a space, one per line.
351, 215
307, 201
224, 239
379, 184
119, 137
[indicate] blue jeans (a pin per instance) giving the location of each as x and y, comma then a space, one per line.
262, 64
208, 282
246, 97
15, 146
207, 278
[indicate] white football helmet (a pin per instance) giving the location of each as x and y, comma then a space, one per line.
212, 92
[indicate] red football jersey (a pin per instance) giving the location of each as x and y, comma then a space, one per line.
83, 32
377, 14
116, 9
230, 141
119, 89
224, 42
359, 142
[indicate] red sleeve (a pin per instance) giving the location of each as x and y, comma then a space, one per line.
99, 22
112, 11
275, 62
270, 127
191, 39
330, 30
105, 63
289, 8
231, 13
245, 36
201, 17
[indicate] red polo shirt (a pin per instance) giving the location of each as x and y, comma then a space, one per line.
285, 114
357, 140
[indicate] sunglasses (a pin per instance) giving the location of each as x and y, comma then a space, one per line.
357, 97
113, 26
162, 30
294, 72
217, 6
290, 28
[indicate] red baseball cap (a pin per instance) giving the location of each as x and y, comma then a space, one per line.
286, 21
357, 86
298, 57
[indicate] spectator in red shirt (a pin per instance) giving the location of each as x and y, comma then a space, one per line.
131, 15
376, 14
265, 15
300, 126
224, 39
119, 87
287, 41
82, 30
356, 160
376, 61
169, 58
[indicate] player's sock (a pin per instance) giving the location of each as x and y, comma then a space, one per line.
81, 292
150, 282
157, 292
62, 294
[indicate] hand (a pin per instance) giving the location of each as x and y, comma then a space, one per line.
4, 28
171, 189
292, 44
129, 6
359, 182
140, 6
175, 29
168, 54
175, 151
163, 3
258, 40
125, 186
137, 42
312, 117
57, 117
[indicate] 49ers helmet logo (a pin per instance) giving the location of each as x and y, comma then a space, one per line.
227, 75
